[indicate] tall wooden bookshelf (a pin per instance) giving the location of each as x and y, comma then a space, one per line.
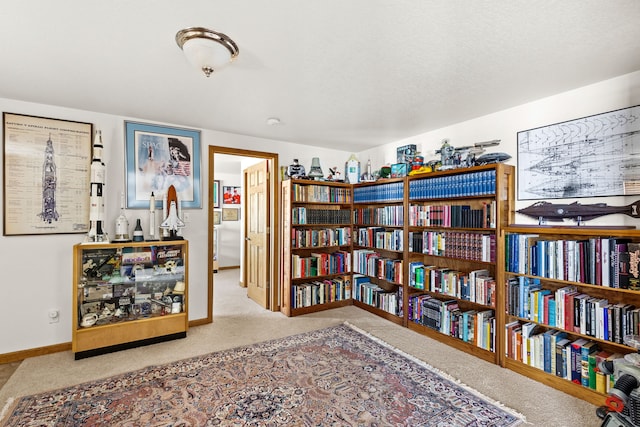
316, 246
454, 221
379, 242
588, 276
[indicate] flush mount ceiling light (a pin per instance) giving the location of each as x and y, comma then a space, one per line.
205, 49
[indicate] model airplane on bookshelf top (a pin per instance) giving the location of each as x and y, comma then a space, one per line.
578, 212
467, 156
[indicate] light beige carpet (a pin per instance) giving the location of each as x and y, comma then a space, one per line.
239, 321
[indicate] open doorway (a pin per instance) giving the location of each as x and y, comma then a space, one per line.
272, 227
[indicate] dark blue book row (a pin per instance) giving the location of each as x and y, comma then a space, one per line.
460, 185
391, 192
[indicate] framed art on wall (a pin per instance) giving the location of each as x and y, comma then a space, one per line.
230, 214
231, 195
593, 156
216, 217
216, 194
158, 157
46, 179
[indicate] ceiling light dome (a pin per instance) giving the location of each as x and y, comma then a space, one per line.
205, 49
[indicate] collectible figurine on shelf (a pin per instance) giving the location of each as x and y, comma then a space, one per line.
171, 212
334, 175
352, 170
368, 175
122, 224
315, 171
152, 218
97, 232
296, 170
463, 157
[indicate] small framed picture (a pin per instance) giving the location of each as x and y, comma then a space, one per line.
231, 195
399, 170
230, 214
217, 217
216, 194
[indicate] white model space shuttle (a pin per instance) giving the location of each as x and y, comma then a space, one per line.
172, 222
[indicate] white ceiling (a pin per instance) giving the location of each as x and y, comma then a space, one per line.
338, 73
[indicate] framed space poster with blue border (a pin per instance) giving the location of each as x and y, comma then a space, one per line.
158, 157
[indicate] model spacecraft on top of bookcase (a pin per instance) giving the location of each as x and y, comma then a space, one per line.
462, 157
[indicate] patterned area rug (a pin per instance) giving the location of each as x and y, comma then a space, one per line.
338, 376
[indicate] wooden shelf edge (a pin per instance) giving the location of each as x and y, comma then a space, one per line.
385, 315
319, 307
472, 349
558, 383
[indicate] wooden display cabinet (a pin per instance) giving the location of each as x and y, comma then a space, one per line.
128, 294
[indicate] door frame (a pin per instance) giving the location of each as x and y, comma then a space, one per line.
274, 226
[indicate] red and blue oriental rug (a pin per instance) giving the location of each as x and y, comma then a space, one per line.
338, 376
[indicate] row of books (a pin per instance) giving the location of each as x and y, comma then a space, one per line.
321, 237
321, 292
371, 263
453, 216
320, 264
454, 244
459, 185
320, 194
381, 238
389, 192
382, 215
611, 262
302, 215
472, 326
552, 351
476, 286
572, 311
376, 296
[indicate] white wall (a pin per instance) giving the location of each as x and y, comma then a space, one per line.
37, 270
609, 95
229, 232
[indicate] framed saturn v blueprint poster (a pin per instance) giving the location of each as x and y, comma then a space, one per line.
589, 157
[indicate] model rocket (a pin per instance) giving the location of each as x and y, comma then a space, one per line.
172, 222
152, 218
97, 233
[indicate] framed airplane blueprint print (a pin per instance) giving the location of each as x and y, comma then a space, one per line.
589, 157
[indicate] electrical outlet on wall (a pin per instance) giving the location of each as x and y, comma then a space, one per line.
54, 315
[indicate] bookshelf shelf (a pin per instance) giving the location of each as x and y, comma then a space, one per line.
567, 386
316, 246
456, 343
384, 314
578, 289
453, 222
